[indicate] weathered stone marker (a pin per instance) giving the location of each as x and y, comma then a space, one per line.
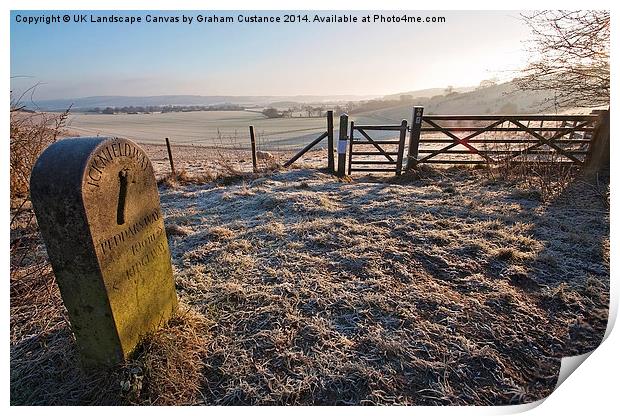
97, 206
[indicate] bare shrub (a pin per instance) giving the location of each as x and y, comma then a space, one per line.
543, 171
545, 180
31, 133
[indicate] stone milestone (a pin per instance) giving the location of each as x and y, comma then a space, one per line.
97, 206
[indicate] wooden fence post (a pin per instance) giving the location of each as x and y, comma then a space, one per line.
401, 147
253, 143
597, 159
330, 141
170, 158
342, 145
414, 138
351, 136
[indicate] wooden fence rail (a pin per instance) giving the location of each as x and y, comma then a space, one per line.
462, 139
329, 133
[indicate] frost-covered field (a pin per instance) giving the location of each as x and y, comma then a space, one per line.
211, 128
443, 287
449, 288
204, 128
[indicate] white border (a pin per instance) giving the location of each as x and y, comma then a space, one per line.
593, 387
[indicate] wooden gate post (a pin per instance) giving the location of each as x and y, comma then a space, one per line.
597, 159
401, 147
351, 136
342, 144
330, 141
414, 137
253, 143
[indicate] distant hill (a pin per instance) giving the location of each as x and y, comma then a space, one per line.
504, 98
162, 100
84, 103
495, 99
426, 93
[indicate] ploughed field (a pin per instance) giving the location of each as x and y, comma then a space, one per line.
442, 287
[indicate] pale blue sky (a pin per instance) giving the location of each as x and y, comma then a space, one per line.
86, 59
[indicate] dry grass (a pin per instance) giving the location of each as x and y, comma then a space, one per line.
168, 368
439, 287
544, 180
45, 368
183, 177
226, 171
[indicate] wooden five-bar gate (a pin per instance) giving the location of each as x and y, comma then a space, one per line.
503, 138
460, 139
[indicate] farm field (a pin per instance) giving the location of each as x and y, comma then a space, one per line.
207, 128
204, 128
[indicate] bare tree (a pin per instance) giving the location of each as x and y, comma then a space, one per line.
569, 55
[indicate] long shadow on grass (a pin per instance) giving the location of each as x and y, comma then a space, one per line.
556, 304
440, 289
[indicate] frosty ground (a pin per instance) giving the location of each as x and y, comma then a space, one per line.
446, 286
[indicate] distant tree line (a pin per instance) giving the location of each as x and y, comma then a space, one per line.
163, 109
350, 107
378, 104
273, 113
297, 111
